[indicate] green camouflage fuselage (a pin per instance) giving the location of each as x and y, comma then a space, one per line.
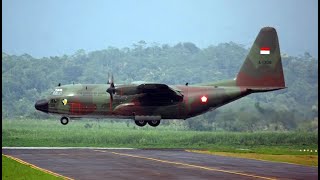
92, 100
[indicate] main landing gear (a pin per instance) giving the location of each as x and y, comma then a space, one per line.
140, 123
153, 123
64, 120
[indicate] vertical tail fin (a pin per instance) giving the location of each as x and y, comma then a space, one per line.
262, 67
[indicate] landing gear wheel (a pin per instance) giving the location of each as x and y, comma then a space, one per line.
141, 123
154, 123
64, 120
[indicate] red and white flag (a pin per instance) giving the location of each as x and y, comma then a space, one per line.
265, 50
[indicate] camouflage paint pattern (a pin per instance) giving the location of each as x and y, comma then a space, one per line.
92, 100
261, 70
259, 73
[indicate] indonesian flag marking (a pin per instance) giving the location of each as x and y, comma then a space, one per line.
265, 50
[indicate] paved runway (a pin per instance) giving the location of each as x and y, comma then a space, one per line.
155, 164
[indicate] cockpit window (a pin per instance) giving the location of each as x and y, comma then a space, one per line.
57, 92
53, 100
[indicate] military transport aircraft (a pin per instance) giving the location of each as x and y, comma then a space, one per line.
150, 102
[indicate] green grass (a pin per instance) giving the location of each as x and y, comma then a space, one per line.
307, 160
107, 134
12, 169
265, 149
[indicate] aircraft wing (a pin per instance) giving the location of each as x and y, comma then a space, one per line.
158, 94
151, 93
153, 88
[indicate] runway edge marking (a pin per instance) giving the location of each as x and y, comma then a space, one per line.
189, 165
37, 168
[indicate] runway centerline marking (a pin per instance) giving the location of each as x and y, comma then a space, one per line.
37, 168
188, 165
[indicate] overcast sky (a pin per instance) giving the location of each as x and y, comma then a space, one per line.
56, 27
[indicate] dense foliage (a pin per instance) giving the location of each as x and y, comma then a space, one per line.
26, 79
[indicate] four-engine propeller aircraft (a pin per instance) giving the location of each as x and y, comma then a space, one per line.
150, 102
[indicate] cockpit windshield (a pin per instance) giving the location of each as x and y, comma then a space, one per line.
57, 92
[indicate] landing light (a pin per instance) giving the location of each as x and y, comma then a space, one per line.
204, 99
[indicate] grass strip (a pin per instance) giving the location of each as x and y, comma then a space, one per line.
12, 169
307, 160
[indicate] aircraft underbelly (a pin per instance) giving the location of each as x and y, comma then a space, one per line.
166, 112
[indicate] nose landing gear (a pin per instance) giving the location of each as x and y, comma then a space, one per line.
64, 120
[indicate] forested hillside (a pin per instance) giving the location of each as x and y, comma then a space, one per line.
26, 79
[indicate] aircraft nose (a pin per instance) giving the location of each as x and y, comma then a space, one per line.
42, 105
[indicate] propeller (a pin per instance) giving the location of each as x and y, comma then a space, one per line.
109, 79
111, 90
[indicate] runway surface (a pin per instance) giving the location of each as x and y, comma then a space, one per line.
155, 164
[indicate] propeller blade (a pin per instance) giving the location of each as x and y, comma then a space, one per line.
111, 90
111, 98
112, 82
109, 79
